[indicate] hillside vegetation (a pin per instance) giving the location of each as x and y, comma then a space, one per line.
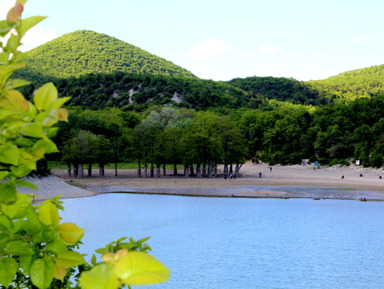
99, 71
83, 52
280, 88
351, 85
139, 91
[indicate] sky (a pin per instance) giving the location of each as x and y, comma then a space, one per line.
225, 39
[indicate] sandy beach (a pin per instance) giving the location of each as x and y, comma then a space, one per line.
281, 182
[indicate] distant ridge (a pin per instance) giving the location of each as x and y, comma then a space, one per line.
84, 52
350, 85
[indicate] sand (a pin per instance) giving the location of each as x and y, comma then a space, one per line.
280, 182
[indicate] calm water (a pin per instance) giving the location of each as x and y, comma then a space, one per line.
212, 243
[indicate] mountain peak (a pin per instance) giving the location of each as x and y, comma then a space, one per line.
83, 51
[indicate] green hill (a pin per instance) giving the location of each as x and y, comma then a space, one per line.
279, 88
350, 85
139, 91
83, 52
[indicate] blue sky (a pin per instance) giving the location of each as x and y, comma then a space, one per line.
224, 39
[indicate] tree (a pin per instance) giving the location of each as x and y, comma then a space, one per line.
36, 249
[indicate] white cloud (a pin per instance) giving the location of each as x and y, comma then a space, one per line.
209, 49
362, 39
37, 36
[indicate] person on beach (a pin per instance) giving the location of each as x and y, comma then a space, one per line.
270, 169
260, 174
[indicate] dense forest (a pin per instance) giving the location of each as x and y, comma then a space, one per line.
83, 52
280, 88
129, 105
351, 85
200, 140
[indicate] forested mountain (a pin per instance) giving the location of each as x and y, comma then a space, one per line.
83, 52
350, 85
137, 92
99, 71
280, 88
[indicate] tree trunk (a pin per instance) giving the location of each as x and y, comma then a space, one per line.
225, 170
192, 170
158, 168
89, 170
146, 165
231, 169
75, 170
237, 169
198, 171
101, 170
215, 170
116, 169
139, 168
175, 169
80, 171
164, 170
186, 171
204, 169
69, 169
210, 169
152, 170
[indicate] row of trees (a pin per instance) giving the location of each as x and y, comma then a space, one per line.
283, 134
200, 141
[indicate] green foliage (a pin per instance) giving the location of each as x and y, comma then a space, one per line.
139, 91
282, 89
36, 249
351, 85
84, 52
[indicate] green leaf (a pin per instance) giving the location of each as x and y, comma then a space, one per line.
15, 83
32, 130
99, 277
52, 118
13, 43
18, 209
28, 23
48, 214
9, 154
24, 142
6, 71
45, 96
139, 268
94, 260
52, 131
69, 259
5, 223
57, 245
42, 272
7, 193
58, 103
8, 269
26, 184
71, 233
33, 224
4, 28
60, 272
18, 248
26, 263
3, 174
21, 170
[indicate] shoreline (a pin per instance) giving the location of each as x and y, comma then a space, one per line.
280, 182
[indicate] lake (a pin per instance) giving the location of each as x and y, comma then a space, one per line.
212, 243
